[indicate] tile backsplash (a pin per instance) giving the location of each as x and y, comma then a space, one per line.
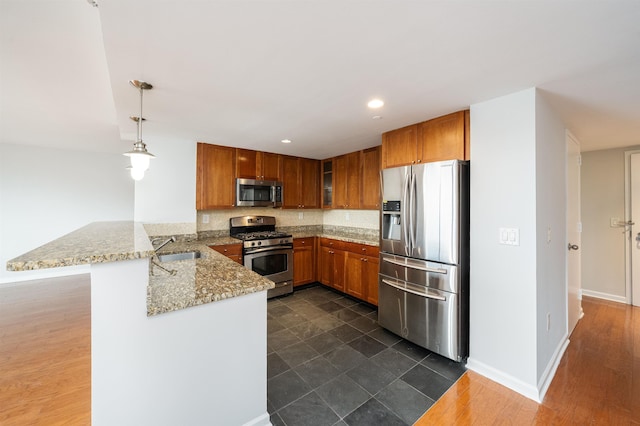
219, 219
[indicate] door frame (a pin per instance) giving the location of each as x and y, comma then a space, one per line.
571, 139
627, 217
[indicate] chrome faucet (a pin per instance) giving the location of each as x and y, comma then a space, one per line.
164, 243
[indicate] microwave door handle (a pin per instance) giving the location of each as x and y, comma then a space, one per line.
273, 195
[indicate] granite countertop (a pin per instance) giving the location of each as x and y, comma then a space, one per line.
98, 242
194, 282
210, 278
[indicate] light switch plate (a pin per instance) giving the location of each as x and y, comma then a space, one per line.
509, 236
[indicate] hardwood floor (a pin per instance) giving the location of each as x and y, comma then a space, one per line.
597, 382
45, 352
45, 367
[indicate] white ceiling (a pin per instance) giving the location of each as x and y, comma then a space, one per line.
250, 73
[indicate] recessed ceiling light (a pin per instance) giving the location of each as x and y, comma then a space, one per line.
285, 141
375, 103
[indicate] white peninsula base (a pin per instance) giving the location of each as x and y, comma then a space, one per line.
205, 365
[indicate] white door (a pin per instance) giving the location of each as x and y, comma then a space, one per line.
574, 229
635, 229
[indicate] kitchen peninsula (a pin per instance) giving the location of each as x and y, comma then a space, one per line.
153, 360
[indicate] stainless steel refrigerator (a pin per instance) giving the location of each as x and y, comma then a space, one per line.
424, 256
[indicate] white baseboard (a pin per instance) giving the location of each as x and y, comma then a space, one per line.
550, 371
263, 420
605, 296
504, 379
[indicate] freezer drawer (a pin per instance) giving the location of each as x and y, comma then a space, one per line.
437, 276
426, 317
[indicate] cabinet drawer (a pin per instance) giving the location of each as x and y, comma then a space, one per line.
303, 242
368, 250
336, 244
229, 249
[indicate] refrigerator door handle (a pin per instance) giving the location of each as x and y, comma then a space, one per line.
420, 268
412, 212
406, 226
417, 293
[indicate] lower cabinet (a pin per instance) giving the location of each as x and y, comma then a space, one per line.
304, 260
350, 267
232, 251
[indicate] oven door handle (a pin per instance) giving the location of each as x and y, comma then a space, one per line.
272, 248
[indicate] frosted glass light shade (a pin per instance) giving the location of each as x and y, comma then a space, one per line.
136, 174
140, 161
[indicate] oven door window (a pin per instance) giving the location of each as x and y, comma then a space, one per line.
269, 264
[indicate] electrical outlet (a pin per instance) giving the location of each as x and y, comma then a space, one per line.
205, 218
347, 216
300, 215
548, 235
614, 222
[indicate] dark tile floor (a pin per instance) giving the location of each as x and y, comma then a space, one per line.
329, 363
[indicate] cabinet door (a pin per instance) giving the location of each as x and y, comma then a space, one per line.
246, 163
442, 138
340, 182
370, 279
309, 172
353, 275
327, 183
326, 266
400, 147
353, 180
269, 166
370, 181
339, 261
215, 177
290, 182
303, 261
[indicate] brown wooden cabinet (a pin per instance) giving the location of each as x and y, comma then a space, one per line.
232, 251
257, 165
346, 181
350, 267
332, 263
370, 179
304, 260
300, 179
442, 138
215, 177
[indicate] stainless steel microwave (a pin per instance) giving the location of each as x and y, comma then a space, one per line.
258, 193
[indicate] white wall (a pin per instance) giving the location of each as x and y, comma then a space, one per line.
503, 278
167, 194
551, 221
602, 194
46, 193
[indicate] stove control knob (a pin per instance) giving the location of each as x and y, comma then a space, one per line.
259, 243
253, 244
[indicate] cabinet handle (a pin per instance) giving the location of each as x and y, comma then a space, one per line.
419, 161
365, 260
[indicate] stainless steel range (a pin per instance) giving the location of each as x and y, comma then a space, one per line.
265, 251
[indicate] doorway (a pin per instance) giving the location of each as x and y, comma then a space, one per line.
574, 231
632, 227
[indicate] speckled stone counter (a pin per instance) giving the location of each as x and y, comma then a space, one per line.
349, 234
98, 242
210, 278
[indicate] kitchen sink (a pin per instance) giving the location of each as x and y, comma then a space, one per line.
179, 256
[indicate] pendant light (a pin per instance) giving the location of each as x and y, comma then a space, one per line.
139, 156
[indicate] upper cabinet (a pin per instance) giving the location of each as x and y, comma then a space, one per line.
346, 181
352, 181
443, 138
370, 179
301, 183
257, 165
215, 177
